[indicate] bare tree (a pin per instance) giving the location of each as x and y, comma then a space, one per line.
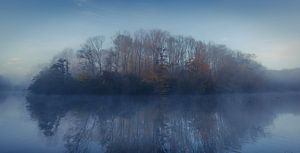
91, 54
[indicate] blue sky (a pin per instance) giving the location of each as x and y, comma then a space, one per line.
32, 31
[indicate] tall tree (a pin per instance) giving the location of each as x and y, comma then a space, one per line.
91, 54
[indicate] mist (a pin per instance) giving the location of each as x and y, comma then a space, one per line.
149, 76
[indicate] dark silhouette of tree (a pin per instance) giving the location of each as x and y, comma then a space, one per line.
55, 79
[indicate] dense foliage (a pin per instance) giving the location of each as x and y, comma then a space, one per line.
149, 62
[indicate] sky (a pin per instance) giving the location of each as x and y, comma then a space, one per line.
33, 31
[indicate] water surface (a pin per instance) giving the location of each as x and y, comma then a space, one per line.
228, 123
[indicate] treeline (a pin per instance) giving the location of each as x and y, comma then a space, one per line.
283, 80
4, 83
149, 62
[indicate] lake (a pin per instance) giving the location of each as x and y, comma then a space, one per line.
226, 123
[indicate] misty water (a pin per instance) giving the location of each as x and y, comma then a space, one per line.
247, 123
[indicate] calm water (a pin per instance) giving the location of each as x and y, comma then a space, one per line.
247, 123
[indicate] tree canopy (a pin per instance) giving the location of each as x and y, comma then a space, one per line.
149, 62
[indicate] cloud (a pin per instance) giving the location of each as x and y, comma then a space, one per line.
80, 2
14, 60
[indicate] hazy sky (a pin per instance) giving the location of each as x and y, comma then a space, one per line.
32, 31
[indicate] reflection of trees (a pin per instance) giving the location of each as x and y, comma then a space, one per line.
78, 137
48, 112
151, 124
